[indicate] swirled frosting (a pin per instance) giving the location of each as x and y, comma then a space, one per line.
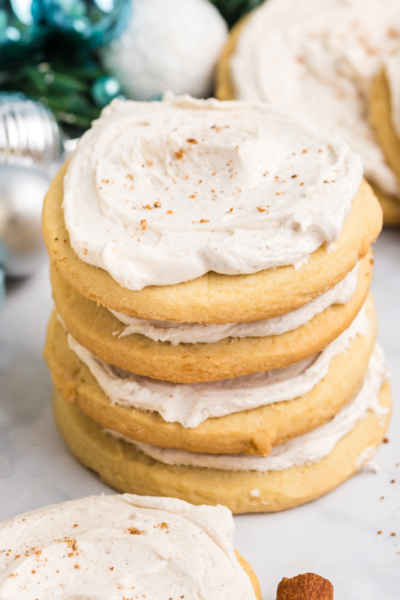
303, 450
194, 333
392, 66
121, 547
160, 193
191, 404
317, 58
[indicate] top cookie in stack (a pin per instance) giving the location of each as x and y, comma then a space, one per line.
210, 268
318, 58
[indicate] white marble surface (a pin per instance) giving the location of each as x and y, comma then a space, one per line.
335, 536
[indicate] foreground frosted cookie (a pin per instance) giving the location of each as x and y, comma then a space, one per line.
296, 472
384, 106
246, 414
200, 211
330, 52
123, 547
190, 352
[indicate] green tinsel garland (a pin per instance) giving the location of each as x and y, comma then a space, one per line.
60, 77
232, 10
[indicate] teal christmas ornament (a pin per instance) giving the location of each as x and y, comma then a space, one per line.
104, 90
21, 30
89, 23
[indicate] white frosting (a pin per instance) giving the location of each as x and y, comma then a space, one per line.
303, 450
195, 333
392, 66
191, 404
317, 58
163, 192
366, 462
120, 548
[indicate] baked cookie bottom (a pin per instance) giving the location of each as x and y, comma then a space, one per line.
215, 298
126, 469
94, 327
249, 432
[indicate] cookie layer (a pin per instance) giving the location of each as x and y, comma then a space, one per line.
128, 470
305, 449
390, 208
215, 298
249, 432
380, 115
94, 327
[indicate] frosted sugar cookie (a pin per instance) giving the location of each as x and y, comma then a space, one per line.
246, 414
123, 547
191, 352
329, 53
157, 216
296, 472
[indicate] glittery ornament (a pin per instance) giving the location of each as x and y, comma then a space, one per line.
29, 134
90, 23
169, 45
31, 148
21, 31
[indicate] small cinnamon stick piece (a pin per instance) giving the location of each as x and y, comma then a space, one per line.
305, 587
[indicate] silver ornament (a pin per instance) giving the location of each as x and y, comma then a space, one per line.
32, 148
22, 191
29, 134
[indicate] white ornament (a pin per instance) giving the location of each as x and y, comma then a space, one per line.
169, 45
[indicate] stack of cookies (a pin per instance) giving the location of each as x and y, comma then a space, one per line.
319, 59
213, 337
